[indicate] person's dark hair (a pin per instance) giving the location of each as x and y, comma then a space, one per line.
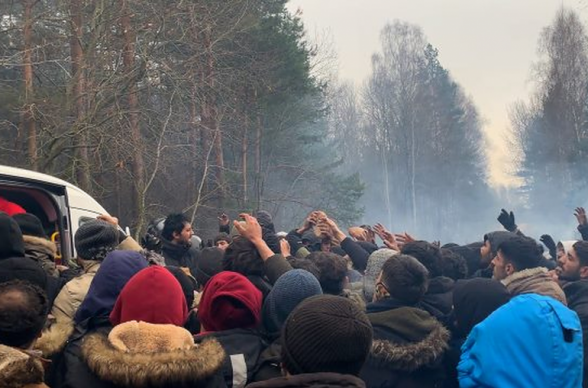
428, 254
581, 248
453, 265
332, 271
449, 245
305, 264
174, 222
405, 278
522, 252
241, 256
471, 254
22, 316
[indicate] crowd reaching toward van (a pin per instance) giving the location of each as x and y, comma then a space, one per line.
313, 307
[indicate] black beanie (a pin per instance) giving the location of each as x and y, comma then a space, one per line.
11, 242
94, 239
30, 225
209, 264
326, 333
222, 237
23, 268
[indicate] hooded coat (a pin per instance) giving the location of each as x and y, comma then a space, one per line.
147, 345
115, 271
230, 312
408, 347
540, 346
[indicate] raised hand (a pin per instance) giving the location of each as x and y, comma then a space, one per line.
223, 220
507, 220
388, 238
580, 214
108, 218
285, 248
547, 240
359, 234
251, 230
403, 239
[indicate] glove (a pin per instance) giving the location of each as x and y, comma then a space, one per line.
507, 220
550, 244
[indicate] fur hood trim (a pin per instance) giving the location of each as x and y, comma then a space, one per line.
40, 242
54, 339
411, 356
144, 368
18, 369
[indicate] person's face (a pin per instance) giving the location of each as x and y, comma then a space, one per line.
570, 266
380, 292
486, 253
185, 235
222, 244
326, 246
502, 268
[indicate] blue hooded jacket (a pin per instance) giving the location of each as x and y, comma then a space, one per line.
115, 271
532, 341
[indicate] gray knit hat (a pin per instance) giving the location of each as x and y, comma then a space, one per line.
289, 290
94, 239
374, 266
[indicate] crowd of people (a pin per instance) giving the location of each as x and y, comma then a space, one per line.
314, 307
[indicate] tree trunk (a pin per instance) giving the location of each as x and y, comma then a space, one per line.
28, 118
137, 165
82, 162
244, 147
194, 141
258, 135
212, 121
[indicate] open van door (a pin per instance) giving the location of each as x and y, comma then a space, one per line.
61, 206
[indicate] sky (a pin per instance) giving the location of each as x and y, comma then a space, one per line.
488, 46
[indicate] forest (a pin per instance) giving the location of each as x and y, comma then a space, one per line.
212, 107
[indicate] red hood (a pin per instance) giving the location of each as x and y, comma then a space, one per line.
153, 295
229, 301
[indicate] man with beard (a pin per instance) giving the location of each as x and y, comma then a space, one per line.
573, 276
177, 246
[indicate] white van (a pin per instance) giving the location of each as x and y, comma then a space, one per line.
61, 206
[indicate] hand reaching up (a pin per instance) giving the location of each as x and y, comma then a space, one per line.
388, 238
251, 230
580, 214
507, 220
358, 234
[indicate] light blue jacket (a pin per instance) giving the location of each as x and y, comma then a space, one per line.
533, 341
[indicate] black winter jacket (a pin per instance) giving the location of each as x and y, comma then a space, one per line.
180, 255
577, 297
438, 301
243, 348
408, 347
